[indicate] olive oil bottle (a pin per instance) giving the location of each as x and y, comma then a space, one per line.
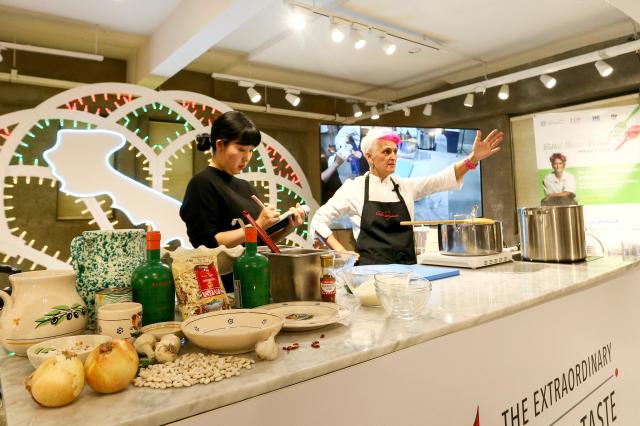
152, 284
251, 274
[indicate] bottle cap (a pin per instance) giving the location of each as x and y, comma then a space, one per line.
153, 240
326, 260
250, 234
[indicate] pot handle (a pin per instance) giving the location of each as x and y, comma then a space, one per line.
597, 239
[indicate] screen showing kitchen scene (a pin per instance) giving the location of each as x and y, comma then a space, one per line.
422, 152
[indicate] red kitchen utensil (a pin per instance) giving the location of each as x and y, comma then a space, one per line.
265, 237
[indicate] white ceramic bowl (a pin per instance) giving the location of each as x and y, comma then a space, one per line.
232, 331
160, 329
81, 345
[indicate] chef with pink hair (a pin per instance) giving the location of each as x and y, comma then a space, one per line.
378, 201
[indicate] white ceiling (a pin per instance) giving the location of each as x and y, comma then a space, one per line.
251, 38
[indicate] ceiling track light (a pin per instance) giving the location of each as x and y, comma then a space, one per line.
298, 18
503, 93
604, 69
374, 113
468, 100
548, 81
1, 49
417, 39
49, 51
292, 97
357, 112
337, 34
387, 46
428, 110
357, 38
406, 111
253, 94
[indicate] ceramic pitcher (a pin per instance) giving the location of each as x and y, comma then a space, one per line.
105, 259
42, 305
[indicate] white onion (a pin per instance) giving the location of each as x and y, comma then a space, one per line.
57, 381
111, 366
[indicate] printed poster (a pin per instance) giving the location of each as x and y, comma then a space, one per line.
592, 158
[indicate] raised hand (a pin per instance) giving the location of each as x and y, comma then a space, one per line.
483, 148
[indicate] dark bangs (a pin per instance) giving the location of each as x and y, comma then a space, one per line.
249, 136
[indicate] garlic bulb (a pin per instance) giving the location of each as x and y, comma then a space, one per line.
267, 349
165, 353
172, 340
144, 345
57, 381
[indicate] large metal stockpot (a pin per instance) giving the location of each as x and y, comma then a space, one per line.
295, 274
466, 239
552, 233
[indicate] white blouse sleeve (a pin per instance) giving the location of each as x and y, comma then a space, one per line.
444, 180
570, 183
339, 205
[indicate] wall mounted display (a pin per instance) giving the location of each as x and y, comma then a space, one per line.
67, 142
422, 152
595, 155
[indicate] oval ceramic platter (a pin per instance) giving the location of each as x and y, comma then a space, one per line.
302, 316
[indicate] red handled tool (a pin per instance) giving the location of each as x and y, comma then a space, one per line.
263, 235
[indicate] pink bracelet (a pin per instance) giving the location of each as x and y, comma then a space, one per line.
469, 165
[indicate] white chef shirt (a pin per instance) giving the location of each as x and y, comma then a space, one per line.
553, 185
349, 198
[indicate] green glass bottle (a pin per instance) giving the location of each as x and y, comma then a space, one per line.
152, 284
251, 274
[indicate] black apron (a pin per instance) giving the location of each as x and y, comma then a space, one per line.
382, 240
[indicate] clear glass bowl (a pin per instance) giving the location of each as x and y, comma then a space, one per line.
406, 300
360, 280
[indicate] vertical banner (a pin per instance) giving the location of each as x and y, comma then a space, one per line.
592, 157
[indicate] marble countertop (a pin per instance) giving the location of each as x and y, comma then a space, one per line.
473, 297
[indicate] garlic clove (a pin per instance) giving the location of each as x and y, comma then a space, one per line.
171, 339
165, 353
145, 344
267, 349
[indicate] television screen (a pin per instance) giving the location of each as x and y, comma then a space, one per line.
422, 152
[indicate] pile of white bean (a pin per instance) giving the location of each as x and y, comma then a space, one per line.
191, 369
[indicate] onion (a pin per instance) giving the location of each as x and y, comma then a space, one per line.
111, 366
57, 381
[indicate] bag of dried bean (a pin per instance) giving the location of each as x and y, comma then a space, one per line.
196, 274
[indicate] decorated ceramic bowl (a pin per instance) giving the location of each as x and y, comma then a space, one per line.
81, 345
232, 331
160, 329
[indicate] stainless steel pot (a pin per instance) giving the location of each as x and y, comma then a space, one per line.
295, 274
463, 239
552, 233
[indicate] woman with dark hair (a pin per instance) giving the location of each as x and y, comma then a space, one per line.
559, 185
214, 197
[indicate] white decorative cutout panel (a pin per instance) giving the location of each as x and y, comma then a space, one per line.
97, 120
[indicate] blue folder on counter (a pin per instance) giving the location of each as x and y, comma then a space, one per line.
431, 273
